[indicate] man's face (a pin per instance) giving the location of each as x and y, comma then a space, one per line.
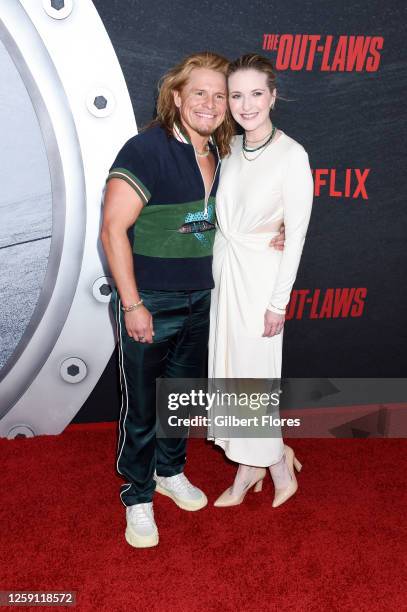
202, 101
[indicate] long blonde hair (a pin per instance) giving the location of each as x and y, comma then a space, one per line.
175, 79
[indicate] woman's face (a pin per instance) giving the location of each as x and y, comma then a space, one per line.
250, 99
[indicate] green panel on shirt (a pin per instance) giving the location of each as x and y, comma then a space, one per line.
156, 235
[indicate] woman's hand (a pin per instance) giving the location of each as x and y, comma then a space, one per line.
139, 324
273, 323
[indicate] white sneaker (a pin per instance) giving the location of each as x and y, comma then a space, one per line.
178, 487
141, 531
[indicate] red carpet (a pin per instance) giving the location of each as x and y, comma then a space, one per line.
336, 545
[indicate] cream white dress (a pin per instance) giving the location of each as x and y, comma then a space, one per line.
252, 200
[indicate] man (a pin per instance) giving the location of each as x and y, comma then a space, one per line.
161, 189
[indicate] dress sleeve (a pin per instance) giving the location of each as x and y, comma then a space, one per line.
135, 165
298, 191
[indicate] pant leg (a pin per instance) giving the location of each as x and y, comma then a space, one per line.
140, 365
187, 358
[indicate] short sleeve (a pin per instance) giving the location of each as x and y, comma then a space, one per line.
298, 191
135, 165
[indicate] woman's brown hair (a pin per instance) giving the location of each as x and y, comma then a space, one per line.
175, 79
255, 62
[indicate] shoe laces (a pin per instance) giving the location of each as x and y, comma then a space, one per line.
181, 483
143, 514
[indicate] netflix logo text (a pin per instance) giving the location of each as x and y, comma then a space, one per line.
348, 183
338, 303
326, 53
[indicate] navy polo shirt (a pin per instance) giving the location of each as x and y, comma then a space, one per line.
164, 172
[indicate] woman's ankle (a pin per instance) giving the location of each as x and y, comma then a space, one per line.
280, 473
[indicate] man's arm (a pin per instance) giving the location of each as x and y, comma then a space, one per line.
122, 206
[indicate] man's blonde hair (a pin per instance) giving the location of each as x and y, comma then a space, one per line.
175, 79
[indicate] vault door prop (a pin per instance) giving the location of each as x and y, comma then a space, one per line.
64, 113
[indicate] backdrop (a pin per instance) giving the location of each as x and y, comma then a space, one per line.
343, 70
341, 73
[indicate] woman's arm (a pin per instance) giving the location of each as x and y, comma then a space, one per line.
297, 203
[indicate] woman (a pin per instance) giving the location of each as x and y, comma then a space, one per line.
265, 180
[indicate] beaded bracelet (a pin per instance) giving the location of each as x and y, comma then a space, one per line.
132, 307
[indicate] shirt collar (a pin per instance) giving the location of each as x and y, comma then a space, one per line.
181, 135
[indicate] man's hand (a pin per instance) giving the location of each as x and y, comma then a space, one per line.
278, 241
139, 324
273, 323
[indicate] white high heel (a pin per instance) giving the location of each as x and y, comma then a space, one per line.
228, 499
282, 495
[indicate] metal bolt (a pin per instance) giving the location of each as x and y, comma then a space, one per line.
20, 431
57, 9
57, 4
72, 370
102, 289
105, 289
100, 102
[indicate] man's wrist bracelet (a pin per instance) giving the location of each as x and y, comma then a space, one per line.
132, 307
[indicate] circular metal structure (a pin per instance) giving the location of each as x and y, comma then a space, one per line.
70, 336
